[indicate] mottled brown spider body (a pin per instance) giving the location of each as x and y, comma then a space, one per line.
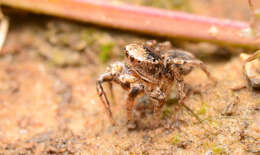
145, 63
151, 69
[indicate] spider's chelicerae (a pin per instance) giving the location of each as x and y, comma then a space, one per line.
151, 69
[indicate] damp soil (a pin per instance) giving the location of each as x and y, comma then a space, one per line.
49, 104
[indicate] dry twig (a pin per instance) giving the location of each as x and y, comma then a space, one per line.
144, 19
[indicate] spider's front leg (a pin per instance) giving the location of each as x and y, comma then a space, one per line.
121, 75
106, 77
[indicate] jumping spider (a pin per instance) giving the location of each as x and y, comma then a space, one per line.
151, 69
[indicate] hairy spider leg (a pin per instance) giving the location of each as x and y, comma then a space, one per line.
130, 102
180, 86
110, 84
180, 81
194, 63
157, 110
106, 77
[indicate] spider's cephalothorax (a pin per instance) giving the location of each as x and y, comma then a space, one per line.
144, 62
149, 68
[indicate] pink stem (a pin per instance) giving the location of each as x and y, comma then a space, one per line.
144, 19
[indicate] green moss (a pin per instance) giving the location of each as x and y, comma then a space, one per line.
217, 149
202, 110
105, 52
183, 5
166, 113
214, 123
178, 3
61, 58
88, 35
214, 148
175, 140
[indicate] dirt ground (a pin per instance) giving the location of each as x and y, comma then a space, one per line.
49, 104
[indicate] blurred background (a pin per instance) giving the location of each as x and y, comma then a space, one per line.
49, 104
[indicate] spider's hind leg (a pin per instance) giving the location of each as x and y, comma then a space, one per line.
195, 62
182, 93
180, 86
